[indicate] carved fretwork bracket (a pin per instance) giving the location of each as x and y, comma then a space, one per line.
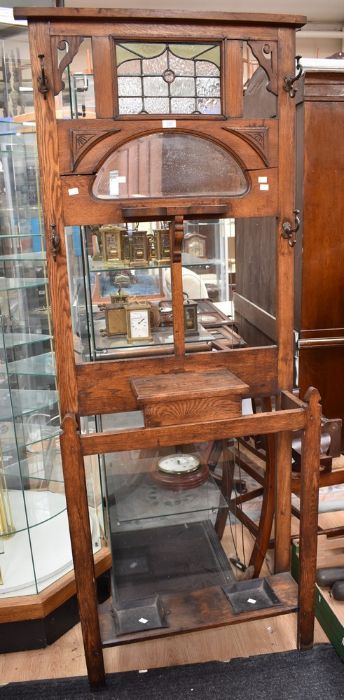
257, 137
71, 43
177, 238
266, 55
83, 141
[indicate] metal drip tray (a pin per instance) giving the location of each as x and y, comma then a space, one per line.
245, 596
140, 615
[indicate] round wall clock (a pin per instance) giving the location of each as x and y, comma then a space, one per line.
179, 471
178, 463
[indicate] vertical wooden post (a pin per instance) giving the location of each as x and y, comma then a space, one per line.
80, 533
51, 195
103, 77
233, 76
285, 292
72, 461
283, 502
177, 235
261, 542
309, 496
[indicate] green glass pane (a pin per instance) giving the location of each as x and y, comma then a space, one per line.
122, 55
190, 50
212, 55
127, 51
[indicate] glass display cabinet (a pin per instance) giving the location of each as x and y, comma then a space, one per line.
186, 138
35, 549
33, 497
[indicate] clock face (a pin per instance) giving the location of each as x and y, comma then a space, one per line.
139, 323
178, 463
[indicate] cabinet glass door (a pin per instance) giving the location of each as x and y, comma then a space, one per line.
121, 286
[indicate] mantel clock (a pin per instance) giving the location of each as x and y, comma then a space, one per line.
138, 322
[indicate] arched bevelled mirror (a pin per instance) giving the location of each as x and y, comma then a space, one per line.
169, 164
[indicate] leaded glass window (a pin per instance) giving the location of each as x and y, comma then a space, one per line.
168, 78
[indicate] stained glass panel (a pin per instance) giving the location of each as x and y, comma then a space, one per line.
183, 73
183, 66
207, 68
155, 66
132, 67
183, 106
129, 86
209, 105
130, 105
208, 87
155, 86
183, 87
156, 105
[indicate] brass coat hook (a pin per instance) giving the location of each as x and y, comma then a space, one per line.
288, 231
55, 242
289, 80
43, 83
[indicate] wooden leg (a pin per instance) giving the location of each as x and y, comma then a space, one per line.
309, 497
283, 502
80, 533
226, 486
261, 543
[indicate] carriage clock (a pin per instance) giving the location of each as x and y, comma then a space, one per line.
195, 244
190, 316
138, 321
115, 314
134, 245
163, 250
111, 243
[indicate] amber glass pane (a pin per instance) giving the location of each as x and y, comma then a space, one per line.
168, 165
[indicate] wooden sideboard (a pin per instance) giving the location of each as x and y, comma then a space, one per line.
319, 278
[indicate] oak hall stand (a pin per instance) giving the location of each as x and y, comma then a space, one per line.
168, 141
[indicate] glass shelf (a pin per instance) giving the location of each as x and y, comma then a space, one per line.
31, 234
35, 365
190, 260
12, 340
23, 402
24, 257
21, 207
40, 506
140, 501
105, 266
161, 337
9, 285
26, 434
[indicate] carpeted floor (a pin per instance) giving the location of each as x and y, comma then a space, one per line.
313, 675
